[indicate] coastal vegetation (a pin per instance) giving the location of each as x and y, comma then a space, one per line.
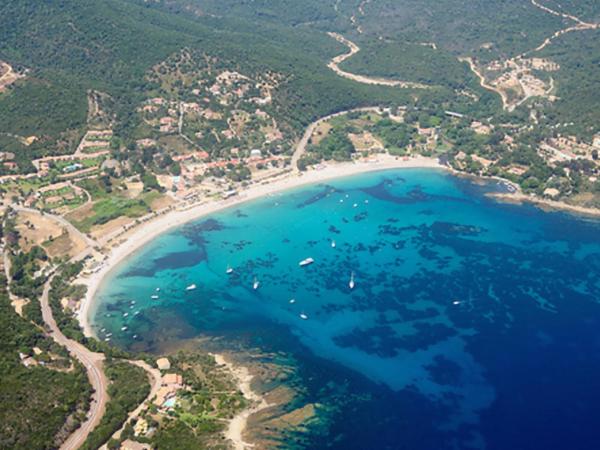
44, 393
128, 387
125, 109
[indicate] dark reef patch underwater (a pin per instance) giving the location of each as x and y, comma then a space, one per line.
472, 324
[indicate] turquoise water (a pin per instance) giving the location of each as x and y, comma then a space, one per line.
472, 324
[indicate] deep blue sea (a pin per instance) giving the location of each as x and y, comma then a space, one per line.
472, 323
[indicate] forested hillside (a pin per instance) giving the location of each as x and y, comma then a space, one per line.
41, 386
70, 47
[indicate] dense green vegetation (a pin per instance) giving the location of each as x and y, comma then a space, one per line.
578, 79
411, 62
129, 386
108, 45
462, 28
37, 400
588, 10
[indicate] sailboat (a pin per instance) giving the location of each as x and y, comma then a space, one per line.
332, 244
229, 270
256, 284
351, 283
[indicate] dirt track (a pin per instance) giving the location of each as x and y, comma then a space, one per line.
354, 49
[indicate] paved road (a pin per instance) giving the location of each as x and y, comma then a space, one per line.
64, 222
301, 147
156, 383
93, 364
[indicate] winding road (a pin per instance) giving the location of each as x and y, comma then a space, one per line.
301, 146
64, 222
354, 49
93, 364
156, 381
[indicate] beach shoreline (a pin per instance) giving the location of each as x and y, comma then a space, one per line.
237, 425
147, 231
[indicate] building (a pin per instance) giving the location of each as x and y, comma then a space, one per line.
173, 380
140, 428
163, 364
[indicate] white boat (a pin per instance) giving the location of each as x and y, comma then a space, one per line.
456, 302
256, 284
106, 339
125, 314
306, 262
303, 316
229, 270
108, 334
351, 283
292, 301
355, 205
157, 289
332, 244
154, 297
135, 336
102, 330
123, 328
132, 302
191, 287
136, 313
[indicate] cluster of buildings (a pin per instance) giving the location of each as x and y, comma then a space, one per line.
567, 148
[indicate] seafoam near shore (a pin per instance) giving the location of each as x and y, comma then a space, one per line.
147, 231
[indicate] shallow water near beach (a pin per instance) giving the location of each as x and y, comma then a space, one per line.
472, 324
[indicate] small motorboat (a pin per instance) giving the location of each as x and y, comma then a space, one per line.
456, 302
306, 262
332, 244
154, 297
123, 328
351, 284
292, 301
125, 314
229, 270
191, 287
255, 284
303, 316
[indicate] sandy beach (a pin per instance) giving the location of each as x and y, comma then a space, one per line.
149, 230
